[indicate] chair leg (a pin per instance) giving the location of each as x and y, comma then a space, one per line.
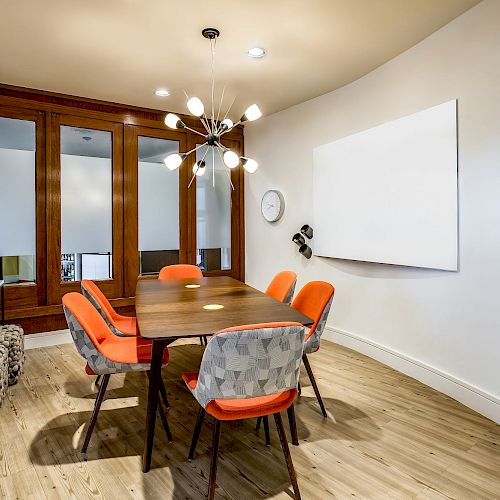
202, 341
163, 393
97, 380
196, 433
286, 452
315, 386
266, 430
164, 421
293, 425
213, 463
299, 389
97, 406
257, 425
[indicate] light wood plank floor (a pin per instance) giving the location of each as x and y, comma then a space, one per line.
388, 436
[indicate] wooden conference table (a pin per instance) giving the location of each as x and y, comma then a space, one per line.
171, 310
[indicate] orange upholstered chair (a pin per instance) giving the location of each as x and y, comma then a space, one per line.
314, 300
229, 387
282, 286
118, 324
106, 353
180, 272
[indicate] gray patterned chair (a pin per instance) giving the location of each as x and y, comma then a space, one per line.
106, 353
246, 372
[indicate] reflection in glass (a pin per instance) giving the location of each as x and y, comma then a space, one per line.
213, 214
158, 191
86, 204
17, 201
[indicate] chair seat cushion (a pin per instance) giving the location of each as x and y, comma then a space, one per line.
133, 350
129, 350
236, 409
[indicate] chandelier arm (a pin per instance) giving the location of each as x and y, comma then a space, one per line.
194, 131
213, 43
221, 146
226, 169
213, 166
204, 120
218, 112
197, 147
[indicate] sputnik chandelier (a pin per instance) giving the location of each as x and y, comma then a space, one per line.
214, 129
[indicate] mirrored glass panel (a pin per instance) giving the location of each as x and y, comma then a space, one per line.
86, 204
213, 213
158, 191
17, 201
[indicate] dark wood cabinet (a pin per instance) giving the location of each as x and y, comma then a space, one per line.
37, 307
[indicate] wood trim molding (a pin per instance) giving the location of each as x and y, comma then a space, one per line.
21, 97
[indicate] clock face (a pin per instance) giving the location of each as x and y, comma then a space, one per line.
272, 205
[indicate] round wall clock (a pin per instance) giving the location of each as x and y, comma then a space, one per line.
272, 205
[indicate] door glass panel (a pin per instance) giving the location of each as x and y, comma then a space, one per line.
86, 204
213, 214
17, 201
158, 191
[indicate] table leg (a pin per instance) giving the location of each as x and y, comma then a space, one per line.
154, 387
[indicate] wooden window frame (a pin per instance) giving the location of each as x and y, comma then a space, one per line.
131, 200
19, 296
112, 288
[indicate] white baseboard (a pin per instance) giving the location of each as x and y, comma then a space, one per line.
47, 339
483, 402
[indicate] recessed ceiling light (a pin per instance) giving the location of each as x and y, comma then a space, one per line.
162, 92
256, 52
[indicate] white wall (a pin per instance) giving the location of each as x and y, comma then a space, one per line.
441, 327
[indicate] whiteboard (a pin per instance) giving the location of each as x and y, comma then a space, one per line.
389, 194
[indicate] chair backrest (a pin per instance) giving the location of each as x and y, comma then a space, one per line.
251, 360
179, 272
315, 300
93, 293
89, 332
282, 286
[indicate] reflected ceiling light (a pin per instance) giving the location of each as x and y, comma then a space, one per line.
162, 92
256, 52
192, 286
216, 125
213, 307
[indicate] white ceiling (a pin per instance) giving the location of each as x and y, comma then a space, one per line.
121, 50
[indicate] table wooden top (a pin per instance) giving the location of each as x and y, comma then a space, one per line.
167, 309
